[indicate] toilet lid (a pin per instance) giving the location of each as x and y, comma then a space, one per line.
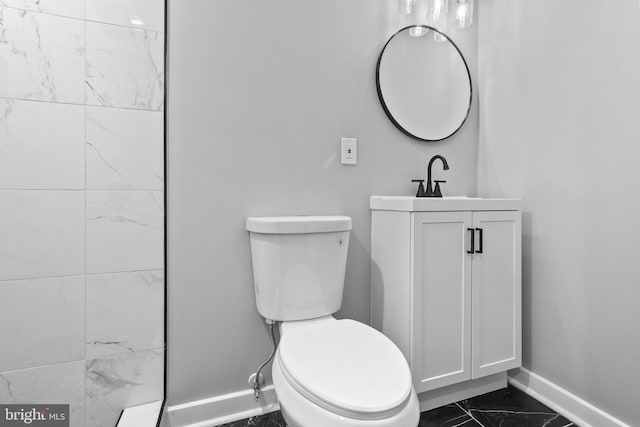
346, 367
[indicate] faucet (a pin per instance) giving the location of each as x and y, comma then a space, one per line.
435, 192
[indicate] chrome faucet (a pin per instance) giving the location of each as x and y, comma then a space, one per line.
435, 191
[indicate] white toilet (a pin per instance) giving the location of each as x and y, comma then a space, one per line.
326, 372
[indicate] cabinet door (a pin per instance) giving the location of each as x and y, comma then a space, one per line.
496, 293
441, 296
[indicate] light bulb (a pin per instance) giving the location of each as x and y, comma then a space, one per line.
464, 13
406, 6
437, 11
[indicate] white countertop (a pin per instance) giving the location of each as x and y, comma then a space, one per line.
455, 203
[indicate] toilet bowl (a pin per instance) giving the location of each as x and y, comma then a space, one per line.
342, 373
326, 372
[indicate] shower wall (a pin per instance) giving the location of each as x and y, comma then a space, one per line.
82, 205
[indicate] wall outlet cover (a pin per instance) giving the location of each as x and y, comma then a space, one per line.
349, 151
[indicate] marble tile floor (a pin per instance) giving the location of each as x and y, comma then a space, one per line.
508, 407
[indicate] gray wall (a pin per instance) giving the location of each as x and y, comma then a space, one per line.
259, 95
559, 128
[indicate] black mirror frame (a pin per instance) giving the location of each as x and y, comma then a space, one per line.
384, 105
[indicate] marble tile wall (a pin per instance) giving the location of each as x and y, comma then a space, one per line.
81, 204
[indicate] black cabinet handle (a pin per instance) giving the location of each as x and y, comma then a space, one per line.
479, 251
472, 245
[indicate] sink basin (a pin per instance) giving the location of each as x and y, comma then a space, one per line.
448, 203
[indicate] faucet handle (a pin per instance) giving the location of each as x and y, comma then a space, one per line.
436, 190
421, 192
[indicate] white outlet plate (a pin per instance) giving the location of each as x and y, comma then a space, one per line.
349, 151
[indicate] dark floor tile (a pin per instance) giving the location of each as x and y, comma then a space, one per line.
511, 407
274, 419
446, 416
508, 407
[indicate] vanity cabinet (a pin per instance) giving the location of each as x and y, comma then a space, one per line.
446, 285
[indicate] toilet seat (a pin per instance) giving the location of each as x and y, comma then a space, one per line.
347, 368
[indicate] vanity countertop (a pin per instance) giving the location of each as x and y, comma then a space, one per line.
452, 203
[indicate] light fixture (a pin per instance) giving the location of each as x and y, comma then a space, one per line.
439, 13
438, 17
406, 6
464, 13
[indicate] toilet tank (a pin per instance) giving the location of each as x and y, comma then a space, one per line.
299, 264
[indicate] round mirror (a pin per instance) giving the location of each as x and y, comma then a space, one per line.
424, 83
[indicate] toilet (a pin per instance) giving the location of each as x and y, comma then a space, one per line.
326, 372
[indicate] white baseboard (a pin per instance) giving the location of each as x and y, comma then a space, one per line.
230, 407
222, 409
562, 401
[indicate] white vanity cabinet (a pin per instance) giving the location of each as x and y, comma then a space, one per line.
446, 285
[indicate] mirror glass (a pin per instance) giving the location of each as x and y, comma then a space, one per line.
424, 83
